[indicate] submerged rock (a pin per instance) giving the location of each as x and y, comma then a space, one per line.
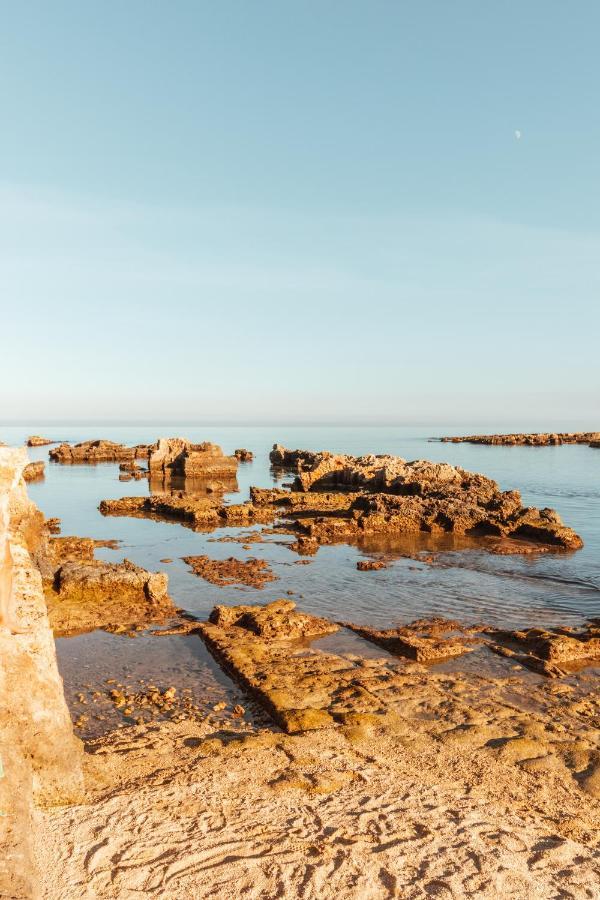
252, 572
243, 455
370, 565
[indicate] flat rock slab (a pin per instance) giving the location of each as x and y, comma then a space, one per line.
252, 572
532, 439
417, 642
301, 688
98, 451
199, 513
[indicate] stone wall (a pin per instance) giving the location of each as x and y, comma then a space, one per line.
40, 758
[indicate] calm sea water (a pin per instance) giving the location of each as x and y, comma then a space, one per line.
471, 586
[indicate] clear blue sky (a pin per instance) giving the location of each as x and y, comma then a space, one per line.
300, 210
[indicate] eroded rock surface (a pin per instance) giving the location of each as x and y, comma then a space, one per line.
179, 457
251, 572
550, 652
201, 513
41, 760
35, 440
243, 455
370, 565
34, 471
83, 593
425, 641
98, 451
534, 439
338, 497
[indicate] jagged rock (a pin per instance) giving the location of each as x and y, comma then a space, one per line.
292, 459
252, 572
534, 439
53, 525
34, 471
178, 457
98, 451
370, 565
379, 494
36, 441
243, 455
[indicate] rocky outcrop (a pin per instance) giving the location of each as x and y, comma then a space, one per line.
243, 455
550, 652
337, 498
83, 593
34, 471
534, 439
251, 572
200, 513
291, 459
98, 451
36, 441
41, 758
178, 457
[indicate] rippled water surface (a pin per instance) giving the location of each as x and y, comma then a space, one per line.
469, 585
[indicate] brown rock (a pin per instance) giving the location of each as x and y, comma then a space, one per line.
369, 565
252, 572
243, 455
36, 441
178, 457
34, 471
539, 439
423, 641
83, 593
98, 451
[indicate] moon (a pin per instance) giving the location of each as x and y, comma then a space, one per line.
518, 134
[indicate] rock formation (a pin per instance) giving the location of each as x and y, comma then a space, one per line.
343, 498
178, 457
424, 641
41, 758
34, 471
98, 451
200, 513
251, 572
539, 439
549, 652
243, 455
83, 593
36, 441
337, 498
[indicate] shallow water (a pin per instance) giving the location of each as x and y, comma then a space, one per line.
470, 585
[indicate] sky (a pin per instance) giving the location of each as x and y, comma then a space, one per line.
331, 211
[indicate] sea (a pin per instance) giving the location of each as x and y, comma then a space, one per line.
467, 584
